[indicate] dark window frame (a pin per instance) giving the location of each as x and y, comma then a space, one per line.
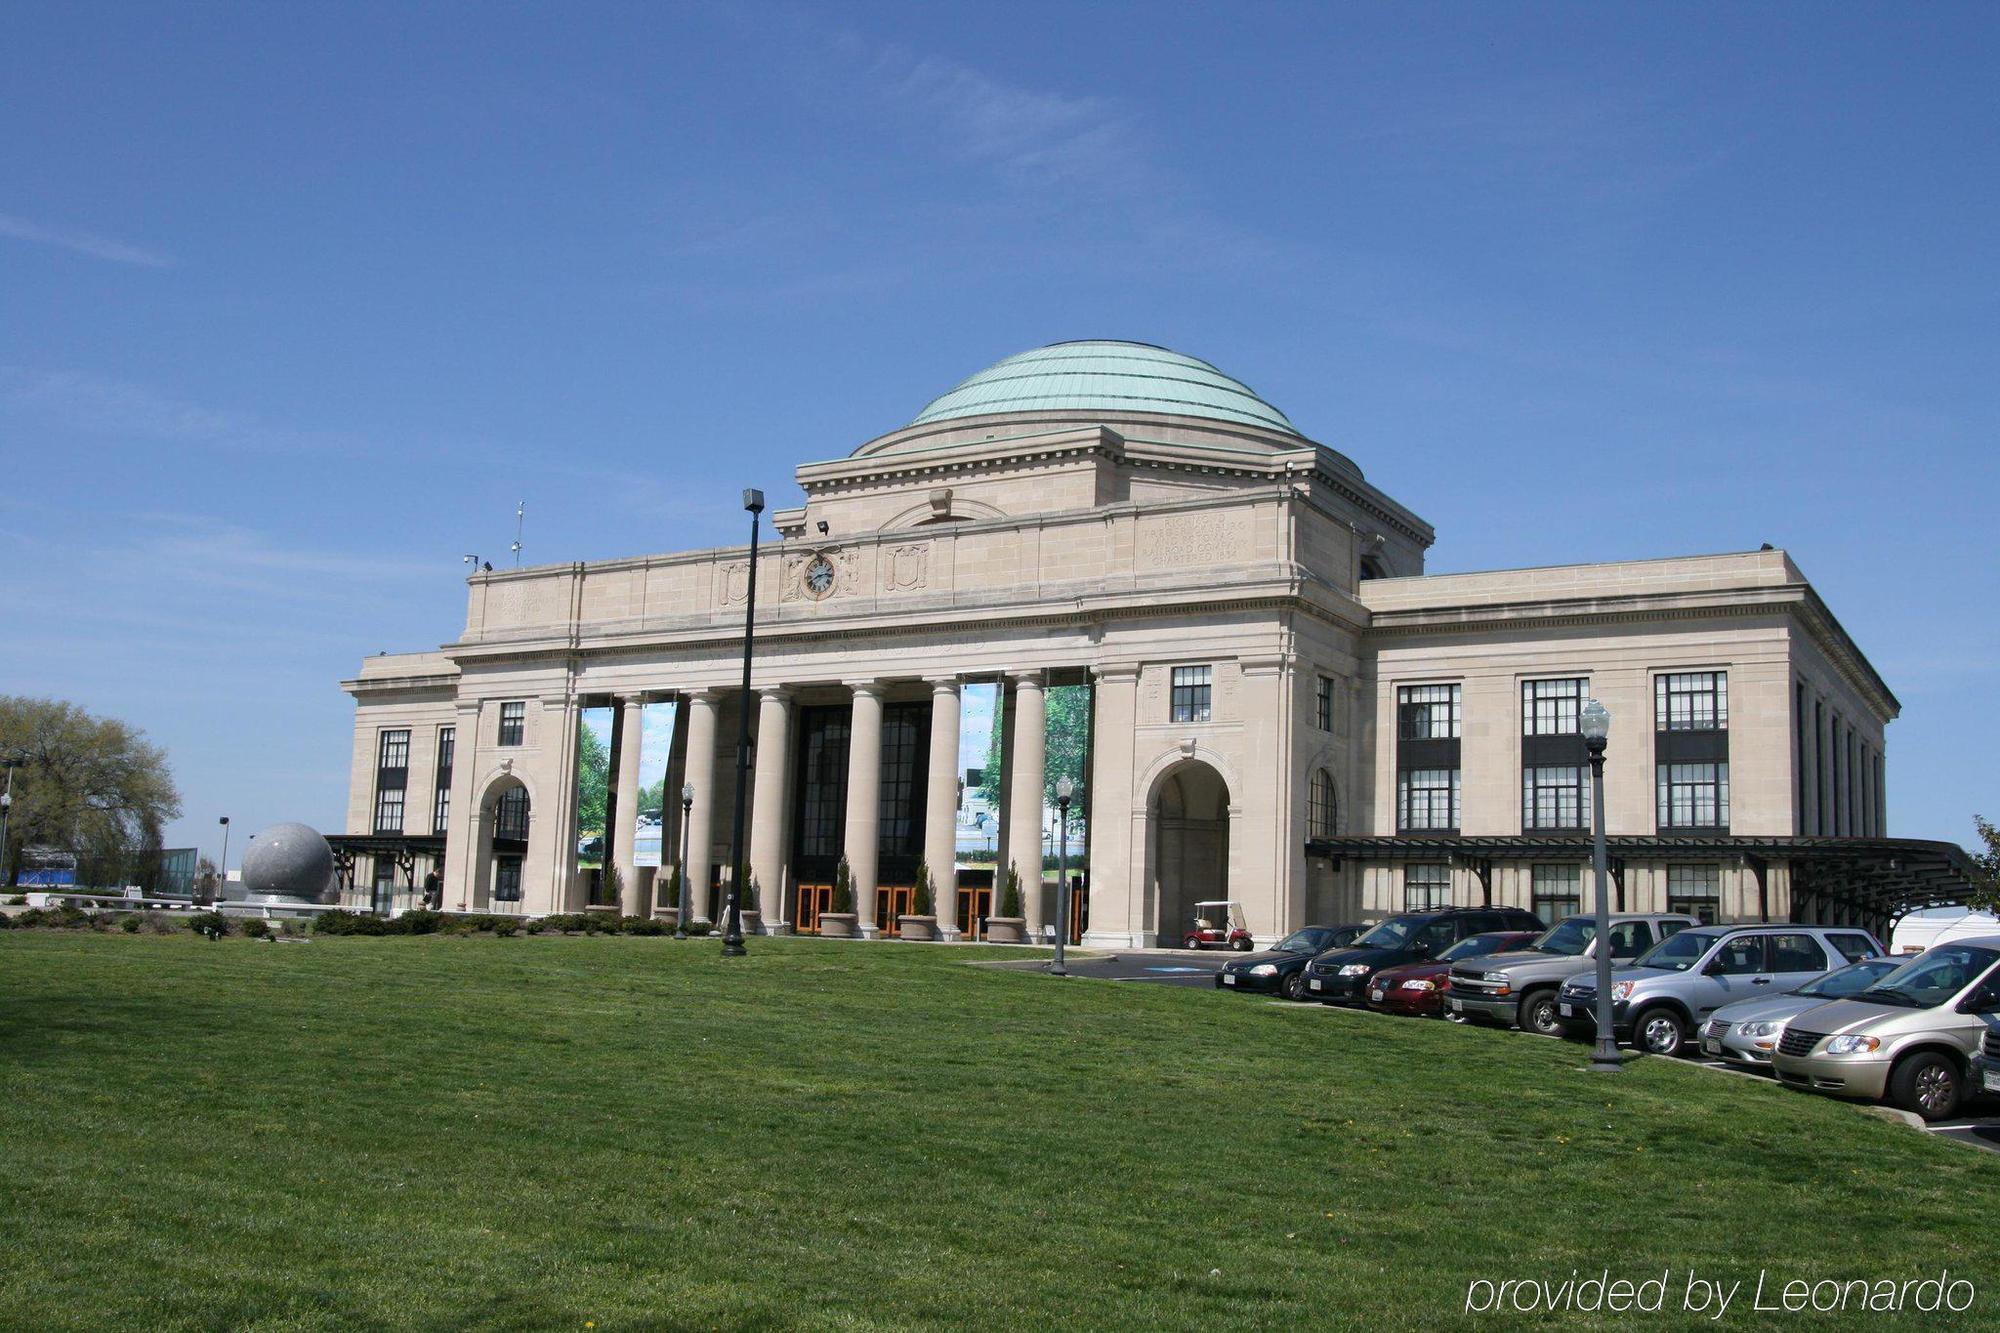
1547, 885
1682, 900
1684, 794
1426, 886
447, 755
1691, 701
1553, 802
1412, 797
1322, 805
513, 723
1323, 703
1553, 707
1192, 691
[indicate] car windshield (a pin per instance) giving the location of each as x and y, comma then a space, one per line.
1303, 941
1932, 977
1849, 980
1569, 938
1678, 953
1391, 934
1472, 947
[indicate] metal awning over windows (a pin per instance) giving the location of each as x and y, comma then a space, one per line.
1874, 880
403, 849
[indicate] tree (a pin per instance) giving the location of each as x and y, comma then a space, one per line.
652, 799
843, 889
1010, 895
593, 782
924, 901
1986, 896
93, 787
207, 882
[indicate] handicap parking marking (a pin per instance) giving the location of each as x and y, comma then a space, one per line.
1183, 971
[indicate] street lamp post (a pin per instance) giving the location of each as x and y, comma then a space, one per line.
222, 871
732, 937
687, 810
1064, 790
1595, 722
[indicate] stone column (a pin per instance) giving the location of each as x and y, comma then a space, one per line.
625, 815
941, 803
462, 829
1117, 813
864, 797
551, 855
768, 822
1027, 744
702, 706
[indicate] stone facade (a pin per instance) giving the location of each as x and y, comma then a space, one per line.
1106, 545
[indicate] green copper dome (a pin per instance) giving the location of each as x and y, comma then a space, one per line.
1106, 376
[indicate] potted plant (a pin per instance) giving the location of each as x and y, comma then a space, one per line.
921, 923
838, 923
668, 909
1010, 927
747, 909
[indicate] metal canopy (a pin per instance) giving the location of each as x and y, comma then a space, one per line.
1878, 879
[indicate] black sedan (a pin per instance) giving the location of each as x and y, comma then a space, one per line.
1283, 969
1340, 976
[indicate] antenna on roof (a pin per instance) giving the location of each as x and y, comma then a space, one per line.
520, 513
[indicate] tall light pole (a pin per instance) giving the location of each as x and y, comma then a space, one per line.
1064, 790
222, 871
687, 810
732, 935
10, 763
1595, 723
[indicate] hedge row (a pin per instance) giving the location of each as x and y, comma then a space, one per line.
424, 922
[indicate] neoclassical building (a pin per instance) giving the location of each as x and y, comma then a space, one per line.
1284, 709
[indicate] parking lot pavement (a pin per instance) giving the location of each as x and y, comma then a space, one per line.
1167, 967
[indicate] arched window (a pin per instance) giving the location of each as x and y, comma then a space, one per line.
1373, 568
510, 816
1322, 806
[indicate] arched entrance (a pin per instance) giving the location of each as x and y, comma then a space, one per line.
1187, 821
502, 850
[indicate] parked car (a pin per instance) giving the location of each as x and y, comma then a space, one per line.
1908, 1039
1418, 989
1341, 976
1984, 1074
1745, 1033
1672, 988
1282, 967
1510, 988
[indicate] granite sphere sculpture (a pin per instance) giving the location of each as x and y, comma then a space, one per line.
288, 861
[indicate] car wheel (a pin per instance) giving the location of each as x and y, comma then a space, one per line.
1926, 1083
1661, 1032
1191, 942
1242, 946
1538, 1013
1295, 986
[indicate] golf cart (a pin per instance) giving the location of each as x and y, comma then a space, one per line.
1218, 925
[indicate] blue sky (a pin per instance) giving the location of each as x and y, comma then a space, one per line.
297, 302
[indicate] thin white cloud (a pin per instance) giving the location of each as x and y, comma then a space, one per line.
80, 242
96, 405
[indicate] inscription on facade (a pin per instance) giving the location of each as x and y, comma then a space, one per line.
1183, 540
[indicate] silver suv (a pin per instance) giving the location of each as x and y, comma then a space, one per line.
1520, 987
1659, 1001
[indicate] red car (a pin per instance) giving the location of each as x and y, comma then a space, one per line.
1418, 989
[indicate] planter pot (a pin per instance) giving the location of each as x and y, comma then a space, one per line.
837, 925
670, 916
752, 923
1006, 930
917, 927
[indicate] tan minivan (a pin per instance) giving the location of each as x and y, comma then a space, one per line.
1908, 1039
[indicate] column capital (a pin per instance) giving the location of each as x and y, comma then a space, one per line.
1036, 677
944, 684
873, 688
778, 694
709, 694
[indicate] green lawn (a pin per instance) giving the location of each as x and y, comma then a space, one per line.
551, 1132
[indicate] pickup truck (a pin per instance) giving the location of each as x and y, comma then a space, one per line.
1520, 987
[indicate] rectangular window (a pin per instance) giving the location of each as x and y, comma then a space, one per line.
513, 722
507, 880
441, 805
392, 777
1551, 707
1555, 798
1695, 891
1557, 891
510, 815
1427, 800
1426, 886
1428, 712
1191, 693
1324, 700
1691, 701
1694, 796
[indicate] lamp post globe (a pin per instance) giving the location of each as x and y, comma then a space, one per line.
1065, 789
1594, 721
681, 916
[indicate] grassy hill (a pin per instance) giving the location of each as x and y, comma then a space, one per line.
548, 1133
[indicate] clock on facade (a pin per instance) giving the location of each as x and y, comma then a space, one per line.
819, 576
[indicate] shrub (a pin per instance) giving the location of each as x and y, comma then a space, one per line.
843, 888
6, 920
159, 923
924, 901
212, 924
505, 929
418, 921
642, 925
18, 900
532, 926
1010, 896
129, 924
700, 927
256, 928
